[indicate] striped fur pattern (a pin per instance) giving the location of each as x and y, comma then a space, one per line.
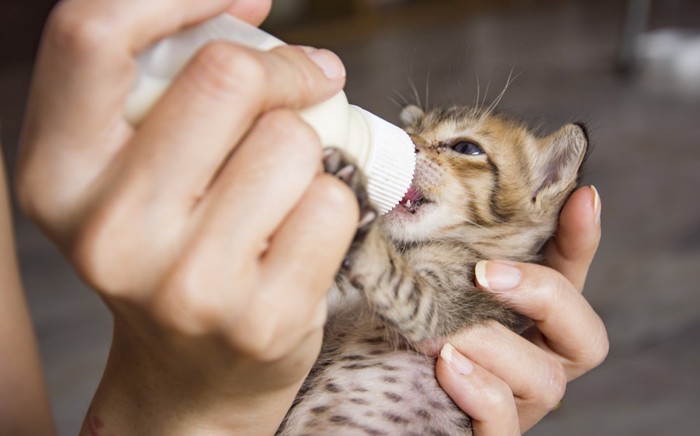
485, 187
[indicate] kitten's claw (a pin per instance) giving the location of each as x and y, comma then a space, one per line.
346, 173
338, 163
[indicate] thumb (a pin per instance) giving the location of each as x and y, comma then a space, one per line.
571, 251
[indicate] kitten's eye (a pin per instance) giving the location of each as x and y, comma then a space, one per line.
468, 148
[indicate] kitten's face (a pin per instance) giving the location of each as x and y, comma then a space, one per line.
481, 173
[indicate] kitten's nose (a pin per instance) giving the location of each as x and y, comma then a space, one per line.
418, 142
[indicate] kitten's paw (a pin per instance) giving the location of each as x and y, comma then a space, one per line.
339, 164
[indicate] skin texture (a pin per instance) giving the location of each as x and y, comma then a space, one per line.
217, 317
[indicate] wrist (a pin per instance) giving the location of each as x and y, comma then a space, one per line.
140, 394
116, 413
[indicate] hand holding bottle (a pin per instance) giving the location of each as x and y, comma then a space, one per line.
198, 227
384, 152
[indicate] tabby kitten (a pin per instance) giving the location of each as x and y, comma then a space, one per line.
485, 187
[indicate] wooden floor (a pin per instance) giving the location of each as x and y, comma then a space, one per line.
646, 165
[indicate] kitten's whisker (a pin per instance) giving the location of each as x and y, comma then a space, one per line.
416, 94
427, 89
398, 103
478, 91
404, 100
483, 100
498, 99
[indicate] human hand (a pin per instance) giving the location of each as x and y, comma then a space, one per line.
209, 230
505, 382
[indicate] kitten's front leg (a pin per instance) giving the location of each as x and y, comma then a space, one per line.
403, 300
373, 267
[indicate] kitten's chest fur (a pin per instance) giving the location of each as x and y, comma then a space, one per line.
367, 382
368, 378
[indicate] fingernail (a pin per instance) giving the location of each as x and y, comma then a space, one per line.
327, 61
497, 275
596, 204
455, 360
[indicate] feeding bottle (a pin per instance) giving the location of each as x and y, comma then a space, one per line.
383, 151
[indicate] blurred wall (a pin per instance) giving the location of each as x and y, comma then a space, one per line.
21, 22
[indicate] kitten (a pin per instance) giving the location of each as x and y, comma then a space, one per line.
485, 187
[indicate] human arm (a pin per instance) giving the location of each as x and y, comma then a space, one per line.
515, 381
24, 403
199, 227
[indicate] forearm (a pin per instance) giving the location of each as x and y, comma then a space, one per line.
24, 406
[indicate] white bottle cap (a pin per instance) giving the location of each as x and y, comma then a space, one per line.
391, 163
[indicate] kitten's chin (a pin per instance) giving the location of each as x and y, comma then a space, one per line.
410, 210
409, 224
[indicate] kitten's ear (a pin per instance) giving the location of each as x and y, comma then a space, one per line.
559, 162
411, 115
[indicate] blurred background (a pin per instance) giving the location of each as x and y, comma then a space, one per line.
629, 69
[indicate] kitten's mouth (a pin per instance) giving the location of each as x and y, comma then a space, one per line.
412, 200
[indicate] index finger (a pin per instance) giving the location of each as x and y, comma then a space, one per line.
571, 251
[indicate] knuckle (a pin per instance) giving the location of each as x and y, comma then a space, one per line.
554, 283
305, 75
599, 349
603, 351
255, 336
107, 251
225, 69
296, 133
53, 205
547, 286
46, 204
185, 308
562, 283
496, 398
28, 199
94, 254
555, 387
78, 29
336, 197
267, 330
188, 311
288, 134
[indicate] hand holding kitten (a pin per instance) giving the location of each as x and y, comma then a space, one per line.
515, 384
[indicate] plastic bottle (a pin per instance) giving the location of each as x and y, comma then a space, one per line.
383, 151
